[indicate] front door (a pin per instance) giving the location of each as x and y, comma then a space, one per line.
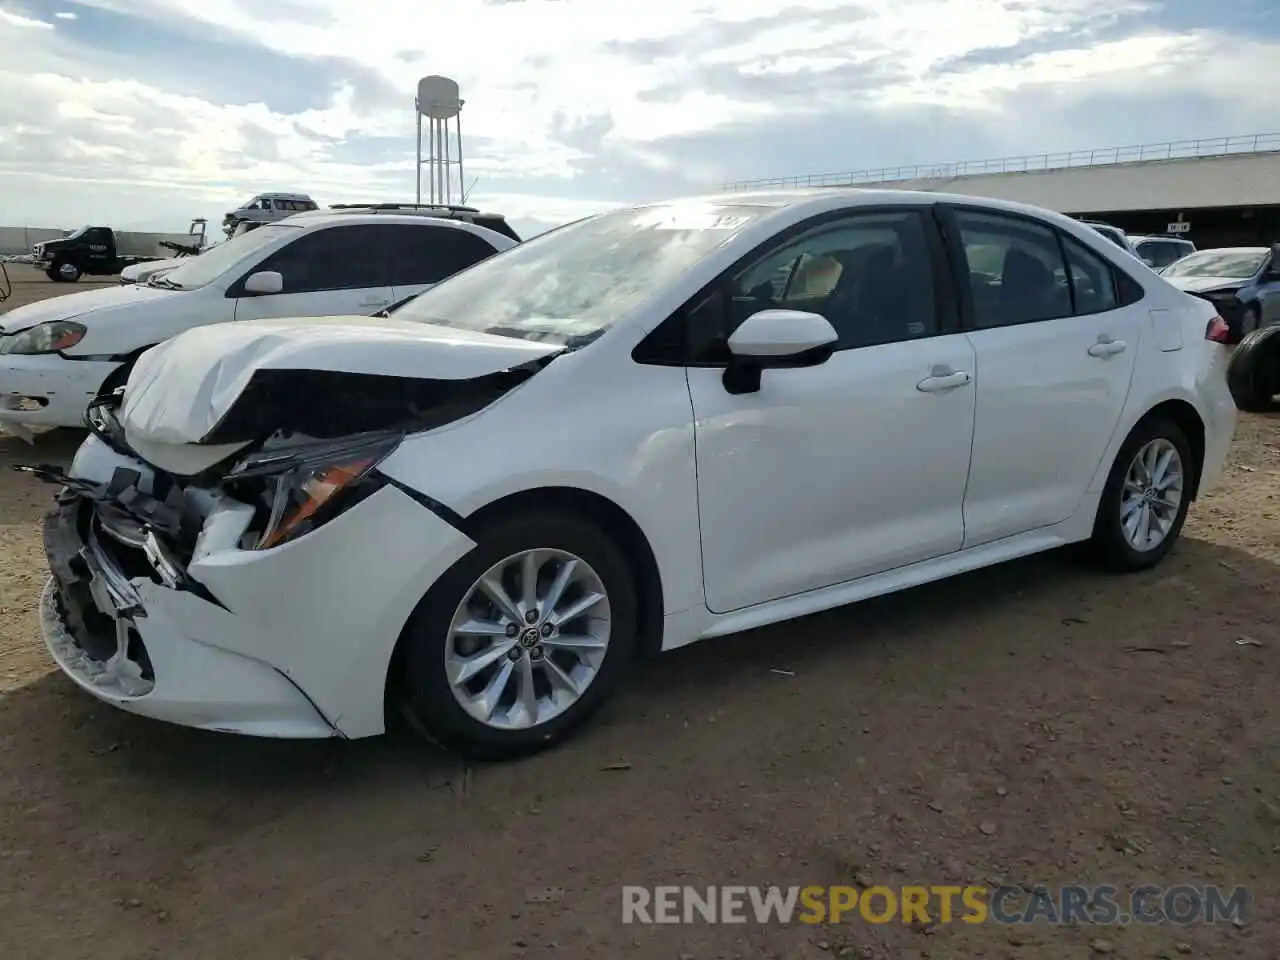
1055, 345
855, 466
338, 270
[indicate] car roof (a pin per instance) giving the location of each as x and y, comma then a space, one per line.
1143, 237
281, 196
320, 218
382, 211
804, 201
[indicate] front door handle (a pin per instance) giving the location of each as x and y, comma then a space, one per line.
944, 379
1106, 347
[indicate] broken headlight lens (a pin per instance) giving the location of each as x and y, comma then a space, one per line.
304, 488
49, 337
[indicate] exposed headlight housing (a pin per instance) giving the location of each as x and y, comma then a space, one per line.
51, 336
301, 489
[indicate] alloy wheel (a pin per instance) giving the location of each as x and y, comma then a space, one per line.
528, 639
1152, 495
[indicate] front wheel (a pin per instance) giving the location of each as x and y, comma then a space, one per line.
67, 272
1145, 501
522, 640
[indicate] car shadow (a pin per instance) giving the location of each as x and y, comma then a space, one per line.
952, 630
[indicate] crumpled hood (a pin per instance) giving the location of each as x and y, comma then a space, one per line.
231, 382
1205, 284
77, 305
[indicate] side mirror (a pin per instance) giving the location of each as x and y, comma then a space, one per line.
264, 283
776, 338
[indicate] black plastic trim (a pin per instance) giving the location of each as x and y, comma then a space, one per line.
448, 515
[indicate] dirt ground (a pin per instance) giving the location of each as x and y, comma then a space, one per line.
1033, 723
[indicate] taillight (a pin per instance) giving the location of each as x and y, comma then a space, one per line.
1218, 331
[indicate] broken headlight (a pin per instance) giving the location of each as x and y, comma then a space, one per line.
304, 487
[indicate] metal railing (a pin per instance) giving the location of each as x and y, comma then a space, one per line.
1102, 156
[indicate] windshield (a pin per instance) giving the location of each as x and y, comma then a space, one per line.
570, 285
1236, 264
217, 260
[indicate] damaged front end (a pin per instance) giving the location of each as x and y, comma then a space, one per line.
121, 522
210, 464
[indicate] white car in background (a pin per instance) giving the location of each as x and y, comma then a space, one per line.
639, 430
1159, 252
58, 354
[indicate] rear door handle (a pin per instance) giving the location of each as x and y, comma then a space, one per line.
944, 379
1107, 347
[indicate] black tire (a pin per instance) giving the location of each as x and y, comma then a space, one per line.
1250, 319
52, 274
1253, 374
67, 271
426, 699
1109, 547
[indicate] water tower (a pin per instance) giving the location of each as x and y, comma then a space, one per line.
439, 102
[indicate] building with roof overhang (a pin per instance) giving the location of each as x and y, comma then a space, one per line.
1217, 193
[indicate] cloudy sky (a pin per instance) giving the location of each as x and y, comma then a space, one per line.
146, 113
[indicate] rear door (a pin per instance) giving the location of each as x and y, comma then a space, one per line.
333, 271
422, 255
1055, 332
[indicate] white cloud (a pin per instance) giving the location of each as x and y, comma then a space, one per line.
8, 18
574, 105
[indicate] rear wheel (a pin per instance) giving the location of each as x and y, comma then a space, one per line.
1144, 503
522, 640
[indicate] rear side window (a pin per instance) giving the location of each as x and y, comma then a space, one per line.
336, 258
429, 254
1017, 273
1092, 284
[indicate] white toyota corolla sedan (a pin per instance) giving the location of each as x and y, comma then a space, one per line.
645, 428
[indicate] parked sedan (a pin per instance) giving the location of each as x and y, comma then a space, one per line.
646, 428
57, 355
1242, 282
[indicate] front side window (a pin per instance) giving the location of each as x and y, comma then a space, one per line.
343, 257
1016, 270
571, 284
869, 275
223, 257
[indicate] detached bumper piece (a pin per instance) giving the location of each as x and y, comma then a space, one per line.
144, 534
98, 650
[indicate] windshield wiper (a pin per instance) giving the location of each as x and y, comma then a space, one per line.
164, 283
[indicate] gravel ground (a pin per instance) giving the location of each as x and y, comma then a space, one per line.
1036, 723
